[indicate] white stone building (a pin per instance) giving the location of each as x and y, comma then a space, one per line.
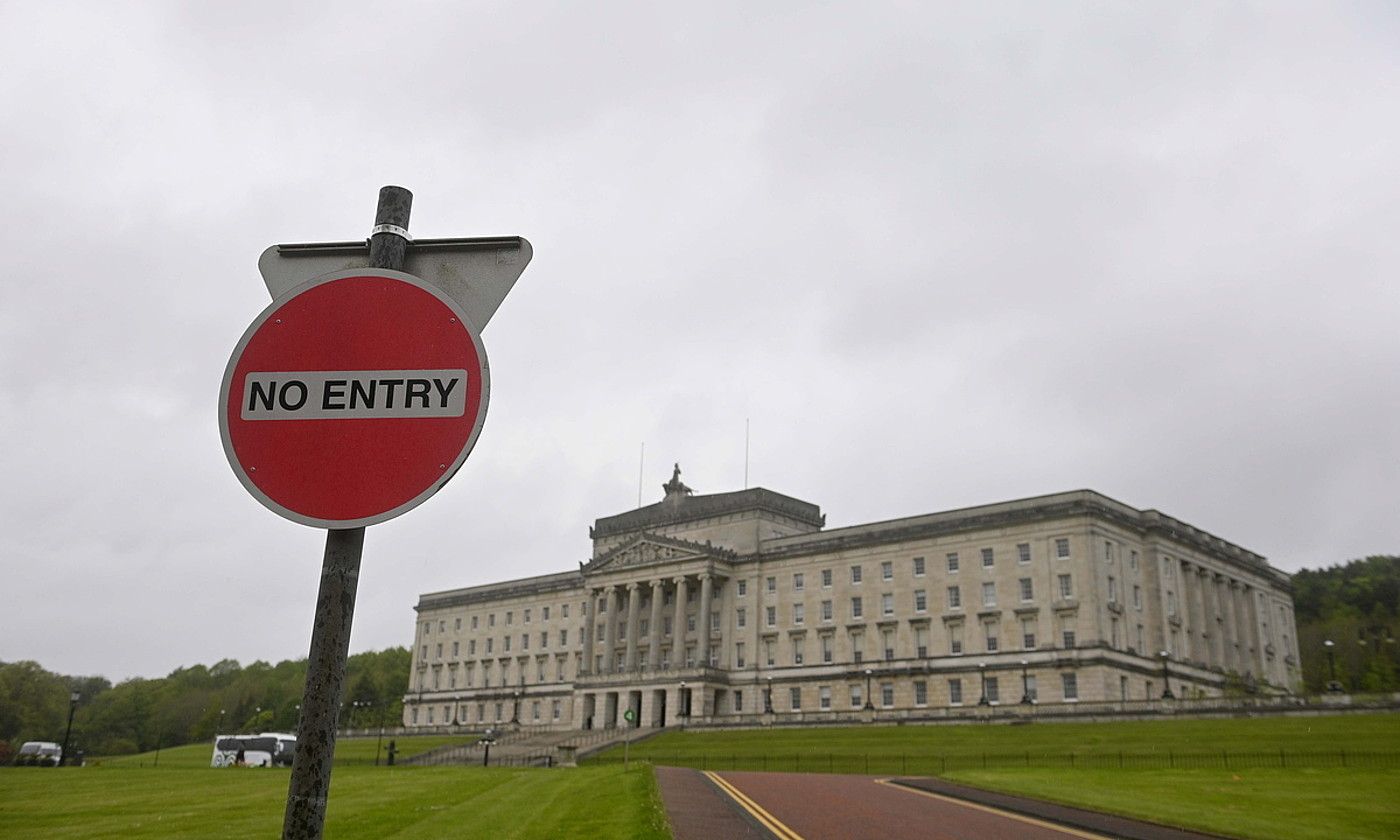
738, 607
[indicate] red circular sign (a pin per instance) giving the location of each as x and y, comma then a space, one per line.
353, 398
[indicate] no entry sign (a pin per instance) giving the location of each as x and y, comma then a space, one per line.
353, 398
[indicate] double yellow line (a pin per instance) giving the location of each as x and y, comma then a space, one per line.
755, 810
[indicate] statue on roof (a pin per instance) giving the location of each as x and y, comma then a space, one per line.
675, 487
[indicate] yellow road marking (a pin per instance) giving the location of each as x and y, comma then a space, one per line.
764, 818
1073, 832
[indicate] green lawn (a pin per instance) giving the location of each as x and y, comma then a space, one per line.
365, 802
1269, 804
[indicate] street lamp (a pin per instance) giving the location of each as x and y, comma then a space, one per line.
515, 714
982, 669
1332, 685
685, 704
1166, 677
222, 712
869, 706
72, 706
1025, 684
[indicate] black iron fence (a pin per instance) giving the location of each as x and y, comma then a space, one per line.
919, 764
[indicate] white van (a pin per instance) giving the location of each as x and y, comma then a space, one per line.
266, 749
39, 754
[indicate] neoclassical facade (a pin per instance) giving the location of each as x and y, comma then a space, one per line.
741, 607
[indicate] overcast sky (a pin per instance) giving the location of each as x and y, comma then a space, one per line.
937, 256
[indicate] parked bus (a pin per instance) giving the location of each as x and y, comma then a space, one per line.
266, 749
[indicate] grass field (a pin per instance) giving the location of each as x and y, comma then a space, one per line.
366, 803
1315, 797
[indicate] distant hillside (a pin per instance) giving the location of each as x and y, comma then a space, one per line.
1357, 606
189, 704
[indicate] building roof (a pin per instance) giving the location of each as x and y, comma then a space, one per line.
678, 508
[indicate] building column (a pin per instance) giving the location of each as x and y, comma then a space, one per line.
1227, 615
678, 626
706, 596
1190, 629
634, 596
1208, 624
658, 592
1249, 634
590, 630
609, 631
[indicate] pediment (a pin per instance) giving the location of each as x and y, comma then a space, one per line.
653, 550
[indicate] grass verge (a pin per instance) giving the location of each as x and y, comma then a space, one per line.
366, 803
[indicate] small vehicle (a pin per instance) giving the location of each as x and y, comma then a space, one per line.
265, 749
39, 754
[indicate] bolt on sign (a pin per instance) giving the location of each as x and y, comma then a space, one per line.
353, 397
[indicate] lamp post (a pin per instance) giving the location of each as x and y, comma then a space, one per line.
515, 712
768, 698
1333, 686
72, 707
1166, 677
982, 669
869, 706
222, 712
382, 706
1025, 684
685, 704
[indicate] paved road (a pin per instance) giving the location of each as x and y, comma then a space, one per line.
795, 806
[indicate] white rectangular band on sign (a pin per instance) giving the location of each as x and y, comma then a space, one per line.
354, 394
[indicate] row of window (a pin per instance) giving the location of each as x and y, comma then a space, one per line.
526, 614
990, 689
490, 645
503, 712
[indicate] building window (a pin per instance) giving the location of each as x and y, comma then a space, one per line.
743, 588
1070, 686
1137, 597
1067, 638
826, 650
1112, 589
1028, 633
471, 647
1132, 559
920, 693
1113, 633
1023, 553
797, 582
768, 652
510, 615
771, 584
920, 601
855, 697
690, 623
643, 630
527, 615
457, 624
741, 617
989, 594
857, 647
988, 558
887, 695
955, 692
824, 697
857, 610
887, 603
888, 637
738, 654
544, 613
491, 620
554, 709
826, 578
887, 570
1108, 551
1027, 590
427, 627
524, 641
797, 650
1139, 647
1066, 587
952, 561
921, 641
798, 613
993, 690
954, 598
454, 650
564, 611
918, 567
1171, 603
473, 622
1030, 688
855, 574
489, 642
826, 611
955, 642
1062, 548
795, 698
771, 616
993, 636
505, 643
563, 638
738, 702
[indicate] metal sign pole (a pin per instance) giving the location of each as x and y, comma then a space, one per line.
307, 793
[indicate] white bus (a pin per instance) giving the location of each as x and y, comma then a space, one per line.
266, 749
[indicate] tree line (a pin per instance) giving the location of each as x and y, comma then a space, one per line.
1356, 606
189, 705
